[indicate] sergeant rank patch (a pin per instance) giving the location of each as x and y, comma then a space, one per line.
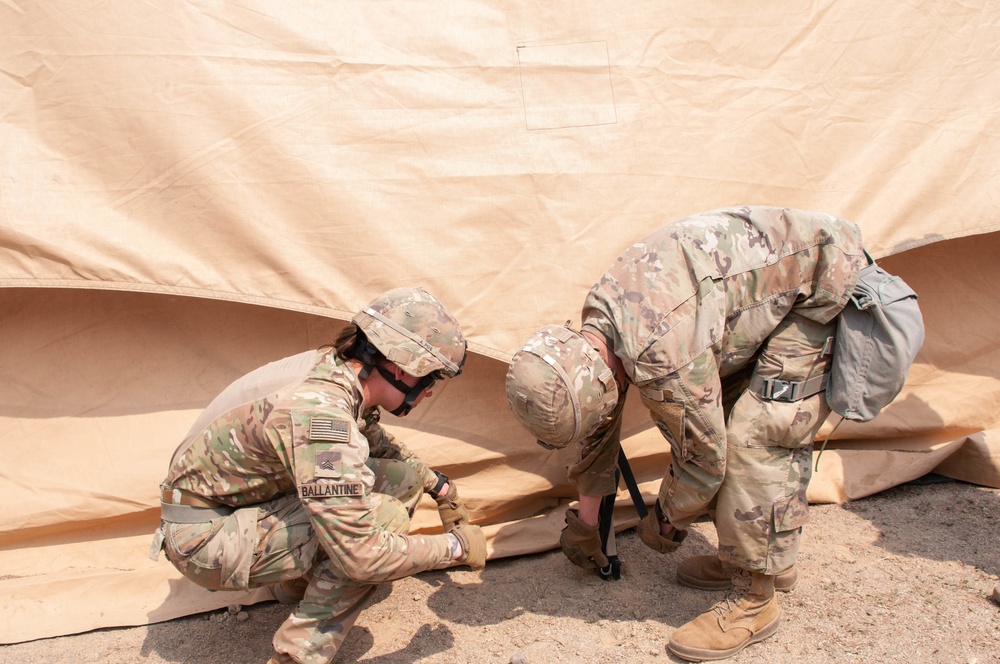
328, 464
324, 428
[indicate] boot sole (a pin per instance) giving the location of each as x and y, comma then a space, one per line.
703, 655
780, 584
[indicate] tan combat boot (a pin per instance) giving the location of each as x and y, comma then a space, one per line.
290, 591
749, 614
710, 573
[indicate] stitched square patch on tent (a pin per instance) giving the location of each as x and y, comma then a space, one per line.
325, 428
566, 85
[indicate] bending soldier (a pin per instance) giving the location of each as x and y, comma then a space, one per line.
723, 321
288, 480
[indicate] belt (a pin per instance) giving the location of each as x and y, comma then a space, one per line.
179, 506
775, 389
172, 496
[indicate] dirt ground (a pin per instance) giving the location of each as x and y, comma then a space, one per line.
903, 576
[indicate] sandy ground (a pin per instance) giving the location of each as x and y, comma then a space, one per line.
903, 576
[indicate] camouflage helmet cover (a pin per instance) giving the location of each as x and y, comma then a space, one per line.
414, 331
558, 387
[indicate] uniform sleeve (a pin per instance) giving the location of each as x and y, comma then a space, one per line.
384, 445
327, 462
594, 473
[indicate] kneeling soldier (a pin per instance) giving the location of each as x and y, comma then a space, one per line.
288, 480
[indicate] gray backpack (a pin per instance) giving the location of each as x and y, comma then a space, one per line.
878, 335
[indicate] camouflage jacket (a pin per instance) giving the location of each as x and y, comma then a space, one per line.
297, 426
688, 287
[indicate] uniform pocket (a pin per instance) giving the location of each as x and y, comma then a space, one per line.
791, 513
758, 422
184, 540
670, 419
218, 554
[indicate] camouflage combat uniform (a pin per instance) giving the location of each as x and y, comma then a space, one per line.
692, 311
321, 493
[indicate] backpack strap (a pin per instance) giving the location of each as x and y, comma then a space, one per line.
775, 389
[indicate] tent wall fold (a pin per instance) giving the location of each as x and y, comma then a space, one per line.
190, 190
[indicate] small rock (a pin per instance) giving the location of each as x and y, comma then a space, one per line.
519, 658
242, 616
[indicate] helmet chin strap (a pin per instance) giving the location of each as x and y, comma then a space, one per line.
410, 393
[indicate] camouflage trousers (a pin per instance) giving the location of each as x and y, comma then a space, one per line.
273, 542
743, 459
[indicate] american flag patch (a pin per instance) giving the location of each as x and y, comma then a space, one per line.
335, 431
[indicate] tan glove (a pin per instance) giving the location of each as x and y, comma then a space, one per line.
581, 543
649, 533
451, 509
473, 545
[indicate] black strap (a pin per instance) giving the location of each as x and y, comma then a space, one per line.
410, 393
633, 487
606, 511
442, 480
605, 516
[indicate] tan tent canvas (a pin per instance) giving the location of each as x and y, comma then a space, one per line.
190, 190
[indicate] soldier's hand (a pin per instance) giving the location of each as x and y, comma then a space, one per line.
451, 509
473, 545
581, 543
649, 533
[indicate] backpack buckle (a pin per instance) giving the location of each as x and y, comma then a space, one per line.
776, 389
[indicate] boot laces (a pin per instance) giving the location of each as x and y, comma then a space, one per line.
742, 581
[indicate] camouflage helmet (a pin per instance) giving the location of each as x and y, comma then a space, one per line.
559, 388
414, 331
